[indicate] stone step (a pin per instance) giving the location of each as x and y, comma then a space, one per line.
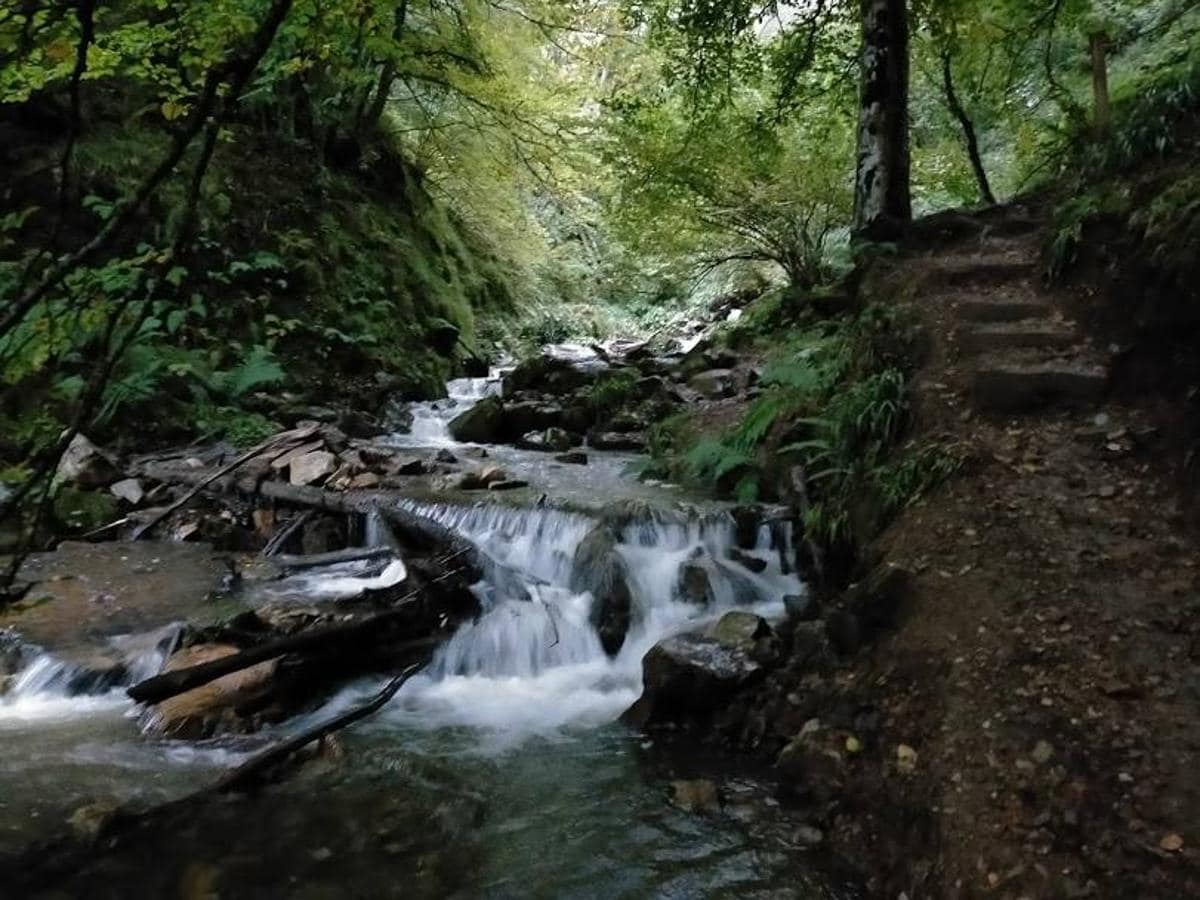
954, 271
1003, 310
1014, 385
1032, 334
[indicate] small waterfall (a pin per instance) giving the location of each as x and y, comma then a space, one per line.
533, 660
431, 418
47, 679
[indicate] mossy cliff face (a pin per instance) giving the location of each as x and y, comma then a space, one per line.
347, 275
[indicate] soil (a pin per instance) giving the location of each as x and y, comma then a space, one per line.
1047, 669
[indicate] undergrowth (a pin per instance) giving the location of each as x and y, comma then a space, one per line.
833, 408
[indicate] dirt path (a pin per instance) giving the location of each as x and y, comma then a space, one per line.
1048, 672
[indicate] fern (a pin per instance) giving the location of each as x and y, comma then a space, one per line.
258, 369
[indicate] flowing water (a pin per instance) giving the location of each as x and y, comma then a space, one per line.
499, 771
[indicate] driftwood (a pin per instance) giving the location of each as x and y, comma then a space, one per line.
283, 442
253, 770
317, 640
418, 529
350, 554
283, 534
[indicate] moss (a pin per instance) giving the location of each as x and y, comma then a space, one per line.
80, 510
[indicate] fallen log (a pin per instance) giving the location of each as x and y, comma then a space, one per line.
281, 537
325, 640
278, 444
253, 770
418, 529
313, 560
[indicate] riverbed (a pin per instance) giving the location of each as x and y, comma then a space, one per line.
499, 771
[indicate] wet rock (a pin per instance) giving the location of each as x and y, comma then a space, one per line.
490, 475
359, 424
608, 440
552, 439
524, 416
86, 465
746, 561
696, 796
740, 629
509, 484
598, 568
480, 424
694, 585
574, 458
89, 823
367, 481
801, 608
714, 384
746, 520
128, 489
545, 374
212, 707
312, 468
690, 676
627, 422
411, 465
445, 456
578, 416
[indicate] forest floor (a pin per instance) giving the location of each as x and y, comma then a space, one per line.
1047, 671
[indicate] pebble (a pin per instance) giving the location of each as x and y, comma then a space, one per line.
808, 836
1042, 752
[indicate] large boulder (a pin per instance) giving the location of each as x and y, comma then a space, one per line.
523, 416
689, 676
612, 440
714, 383
545, 374
694, 584
86, 465
601, 570
480, 424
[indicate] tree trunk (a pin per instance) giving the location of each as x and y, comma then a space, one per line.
1102, 113
968, 128
881, 185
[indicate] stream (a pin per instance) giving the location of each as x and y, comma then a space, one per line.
499, 771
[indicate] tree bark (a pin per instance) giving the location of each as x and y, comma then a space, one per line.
968, 129
882, 201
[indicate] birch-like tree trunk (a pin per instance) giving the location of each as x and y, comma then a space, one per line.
881, 187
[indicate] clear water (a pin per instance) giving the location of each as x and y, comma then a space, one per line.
500, 771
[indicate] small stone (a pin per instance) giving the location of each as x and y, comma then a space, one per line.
853, 745
698, 795
574, 458
1107, 490
906, 758
808, 836
128, 489
445, 456
1172, 842
322, 853
1042, 753
311, 468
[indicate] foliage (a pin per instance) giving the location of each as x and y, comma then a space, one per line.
610, 392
